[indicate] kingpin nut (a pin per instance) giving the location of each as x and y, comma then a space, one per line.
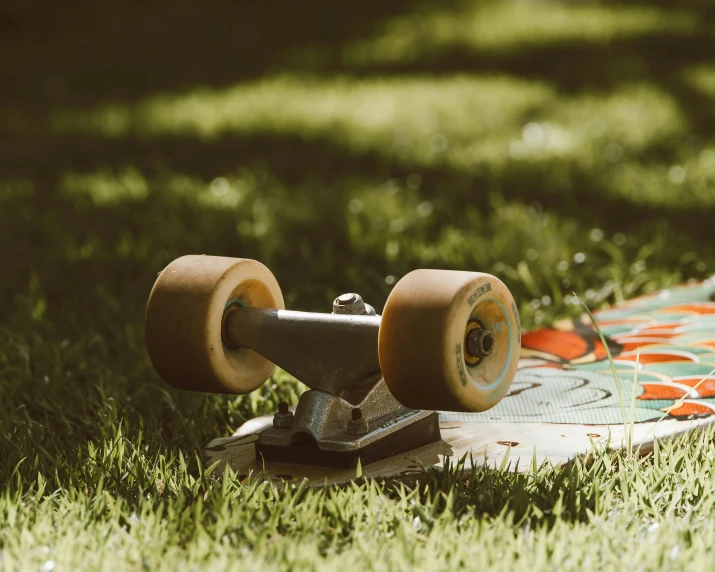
352, 303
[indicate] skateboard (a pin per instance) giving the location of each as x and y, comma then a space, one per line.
443, 374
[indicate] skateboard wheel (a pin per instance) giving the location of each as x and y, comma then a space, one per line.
429, 355
184, 323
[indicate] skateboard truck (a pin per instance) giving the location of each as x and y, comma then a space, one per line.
446, 340
349, 412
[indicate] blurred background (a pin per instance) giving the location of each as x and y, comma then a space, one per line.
566, 147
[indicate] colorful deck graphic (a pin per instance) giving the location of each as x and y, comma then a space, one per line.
564, 375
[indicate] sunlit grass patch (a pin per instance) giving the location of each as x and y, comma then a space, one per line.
632, 116
680, 185
490, 27
107, 187
586, 131
110, 187
466, 122
702, 79
399, 116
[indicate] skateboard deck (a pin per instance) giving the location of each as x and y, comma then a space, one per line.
564, 399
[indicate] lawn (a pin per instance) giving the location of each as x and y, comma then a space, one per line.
566, 147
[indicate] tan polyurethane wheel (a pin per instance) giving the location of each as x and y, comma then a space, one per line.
422, 347
184, 316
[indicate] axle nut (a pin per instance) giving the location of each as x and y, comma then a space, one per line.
480, 343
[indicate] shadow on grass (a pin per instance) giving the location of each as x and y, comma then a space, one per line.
535, 498
85, 52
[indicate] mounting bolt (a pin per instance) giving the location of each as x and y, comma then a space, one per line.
480, 343
283, 417
357, 425
352, 303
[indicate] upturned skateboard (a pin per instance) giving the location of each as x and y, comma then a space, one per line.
444, 373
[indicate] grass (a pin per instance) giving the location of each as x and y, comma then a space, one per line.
118, 506
563, 148
628, 433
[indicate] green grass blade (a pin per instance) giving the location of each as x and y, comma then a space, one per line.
616, 378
